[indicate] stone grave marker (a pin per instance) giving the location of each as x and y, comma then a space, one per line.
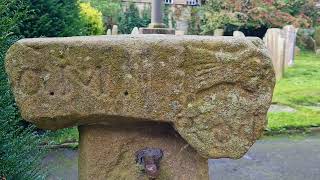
109, 32
317, 37
114, 30
218, 32
276, 46
290, 34
135, 31
146, 106
238, 34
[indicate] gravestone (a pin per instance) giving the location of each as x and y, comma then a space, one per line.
147, 105
114, 30
317, 37
305, 39
281, 44
109, 32
289, 33
297, 51
317, 40
218, 32
276, 45
318, 52
135, 31
238, 34
179, 33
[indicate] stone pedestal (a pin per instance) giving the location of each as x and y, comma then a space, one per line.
156, 31
108, 152
215, 92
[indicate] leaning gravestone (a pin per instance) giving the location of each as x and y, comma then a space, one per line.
148, 105
275, 43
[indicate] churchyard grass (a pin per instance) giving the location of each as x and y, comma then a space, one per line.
299, 89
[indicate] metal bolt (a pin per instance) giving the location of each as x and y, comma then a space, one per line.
149, 159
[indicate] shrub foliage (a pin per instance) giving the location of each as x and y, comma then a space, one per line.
20, 150
92, 18
19, 147
131, 18
255, 14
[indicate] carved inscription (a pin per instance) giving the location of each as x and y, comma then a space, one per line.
66, 80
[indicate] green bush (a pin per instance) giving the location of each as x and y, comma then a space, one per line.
20, 150
92, 18
20, 153
110, 9
52, 18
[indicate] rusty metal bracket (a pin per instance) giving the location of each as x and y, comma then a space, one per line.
149, 159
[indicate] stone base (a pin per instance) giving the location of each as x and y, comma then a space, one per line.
156, 25
156, 31
109, 153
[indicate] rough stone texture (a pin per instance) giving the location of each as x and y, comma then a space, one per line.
215, 91
109, 153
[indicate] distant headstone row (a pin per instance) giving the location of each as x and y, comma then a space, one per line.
113, 31
281, 45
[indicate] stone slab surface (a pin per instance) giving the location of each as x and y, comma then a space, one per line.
109, 153
214, 90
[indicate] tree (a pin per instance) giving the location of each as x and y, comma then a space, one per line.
20, 150
93, 20
110, 10
20, 153
254, 14
52, 18
131, 18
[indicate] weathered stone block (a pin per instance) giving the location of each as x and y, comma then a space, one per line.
215, 91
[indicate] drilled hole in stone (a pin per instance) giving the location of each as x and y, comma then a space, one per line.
51, 93
126, 93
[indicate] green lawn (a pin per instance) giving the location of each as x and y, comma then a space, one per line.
299, 89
